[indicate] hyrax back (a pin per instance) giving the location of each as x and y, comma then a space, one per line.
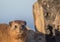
4, 32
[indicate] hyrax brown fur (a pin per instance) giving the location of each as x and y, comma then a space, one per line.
14, 32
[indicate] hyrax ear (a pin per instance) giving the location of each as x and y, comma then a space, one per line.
25, 23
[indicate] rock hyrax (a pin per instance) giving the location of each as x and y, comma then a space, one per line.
15, 31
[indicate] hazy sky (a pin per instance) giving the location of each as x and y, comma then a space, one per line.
16, 10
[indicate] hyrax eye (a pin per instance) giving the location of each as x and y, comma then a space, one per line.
23, 27
16, 26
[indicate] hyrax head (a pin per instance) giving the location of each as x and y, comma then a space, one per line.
17, 28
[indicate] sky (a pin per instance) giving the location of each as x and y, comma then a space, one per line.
17, 10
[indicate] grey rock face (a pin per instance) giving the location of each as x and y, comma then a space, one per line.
51, 12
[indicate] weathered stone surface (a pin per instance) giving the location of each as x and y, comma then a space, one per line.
39, 20
38, 17
33, 36
39, 37
30, 35
46, 18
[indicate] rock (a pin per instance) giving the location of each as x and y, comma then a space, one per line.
46, 15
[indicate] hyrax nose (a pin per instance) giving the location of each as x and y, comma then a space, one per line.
18, 30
